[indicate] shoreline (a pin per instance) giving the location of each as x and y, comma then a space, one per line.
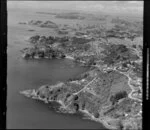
62, 108
69, 57
50, 58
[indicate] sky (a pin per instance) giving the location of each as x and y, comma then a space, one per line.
132, 7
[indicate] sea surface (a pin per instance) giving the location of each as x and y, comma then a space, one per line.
25, 113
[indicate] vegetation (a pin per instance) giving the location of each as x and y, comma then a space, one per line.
117, 53
76, 40
115, 98
138, 69
42, 52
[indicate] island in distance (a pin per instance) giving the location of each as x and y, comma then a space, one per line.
110, 91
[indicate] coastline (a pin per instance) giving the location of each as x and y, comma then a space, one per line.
62, 108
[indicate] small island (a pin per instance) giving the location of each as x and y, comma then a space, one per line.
42, 24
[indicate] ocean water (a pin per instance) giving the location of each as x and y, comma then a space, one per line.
24, 113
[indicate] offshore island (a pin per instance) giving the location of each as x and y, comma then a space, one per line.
110, 91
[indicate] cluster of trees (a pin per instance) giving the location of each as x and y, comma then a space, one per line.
68, 44
89, 60
116, 97
44, 52
86, 101
119, 21
75, 44
138, 69
76, 40
122, 32
37, 39
115, 53
127, 29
